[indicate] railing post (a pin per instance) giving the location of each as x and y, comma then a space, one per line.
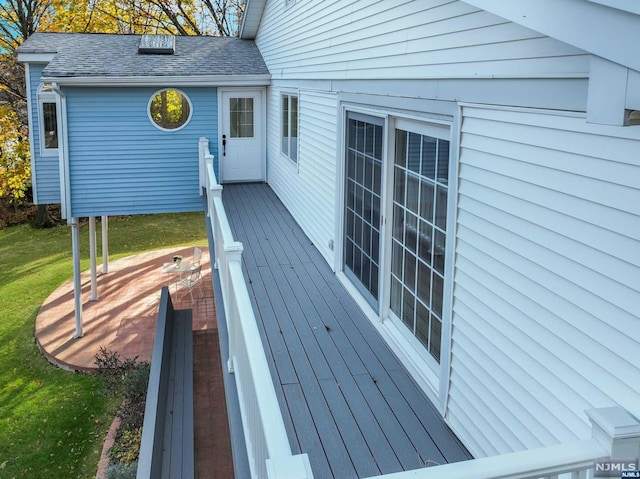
215, 191
203, 147
232, 253
289, 467
618, 431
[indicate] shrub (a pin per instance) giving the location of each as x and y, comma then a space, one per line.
122, 471
128, 378
116, 373
126, 449
136, 382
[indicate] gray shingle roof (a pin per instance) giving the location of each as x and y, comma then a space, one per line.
110, 55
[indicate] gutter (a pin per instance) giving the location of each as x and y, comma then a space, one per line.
163, 81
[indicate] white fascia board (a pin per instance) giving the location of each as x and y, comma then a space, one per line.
251, 19
208, 81
626, 5
607, 32
36, 57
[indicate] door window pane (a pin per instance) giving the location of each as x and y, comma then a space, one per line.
422, 324
436, 332
443, 162
428, 166
427, 194
241, 117
413, 152
419, 230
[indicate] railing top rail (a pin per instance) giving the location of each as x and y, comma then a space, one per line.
530, 464
236, 298
269, 409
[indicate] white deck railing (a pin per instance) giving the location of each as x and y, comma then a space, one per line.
615, 432
614, 445
574, 459
266, 438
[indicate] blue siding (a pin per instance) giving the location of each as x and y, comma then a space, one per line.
45, 170
119, 163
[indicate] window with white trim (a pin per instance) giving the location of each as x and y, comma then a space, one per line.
170, 109
289, 126
48, 121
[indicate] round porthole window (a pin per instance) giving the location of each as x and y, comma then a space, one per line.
170, 109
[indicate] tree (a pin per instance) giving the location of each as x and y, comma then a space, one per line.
15, 164
181, 17
19, 19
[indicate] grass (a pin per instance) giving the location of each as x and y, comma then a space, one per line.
53, 423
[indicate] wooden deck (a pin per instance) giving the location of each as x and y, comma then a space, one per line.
346, 399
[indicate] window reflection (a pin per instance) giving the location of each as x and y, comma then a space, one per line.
418, 252
170, 109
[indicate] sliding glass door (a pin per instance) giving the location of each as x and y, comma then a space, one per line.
420, 198
363, 199
412, 271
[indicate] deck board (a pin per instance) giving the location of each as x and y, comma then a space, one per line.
305, 430
347, 400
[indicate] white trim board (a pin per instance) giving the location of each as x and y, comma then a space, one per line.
208, 81
36, 57
615, 39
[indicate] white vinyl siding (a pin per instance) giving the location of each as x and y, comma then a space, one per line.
547, 278
308, 189
421, 39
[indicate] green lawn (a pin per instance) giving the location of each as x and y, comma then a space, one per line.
52, 423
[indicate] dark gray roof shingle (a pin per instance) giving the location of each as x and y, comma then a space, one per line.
110, 55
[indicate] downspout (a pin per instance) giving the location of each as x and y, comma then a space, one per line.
65, 192
32, 148
63, 152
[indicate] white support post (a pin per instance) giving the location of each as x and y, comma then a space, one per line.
618, 431
105, 244
289, 467
77, 284
92, 255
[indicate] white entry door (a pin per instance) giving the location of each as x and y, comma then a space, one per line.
241, 143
